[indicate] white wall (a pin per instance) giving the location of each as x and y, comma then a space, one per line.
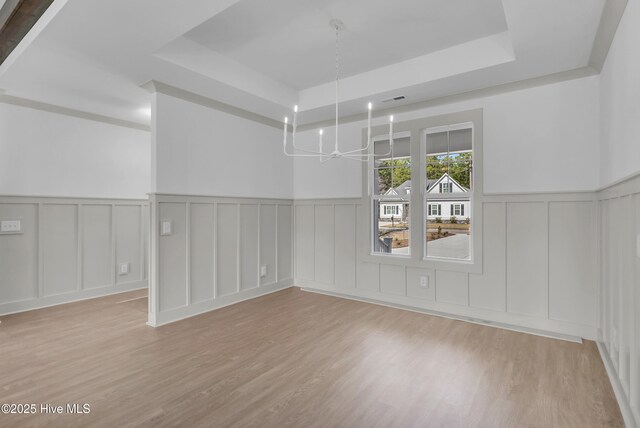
620, 105
49, 154
202, 151
540, 139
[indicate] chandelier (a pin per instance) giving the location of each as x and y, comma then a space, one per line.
362, 154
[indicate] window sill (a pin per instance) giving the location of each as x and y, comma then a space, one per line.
466, 266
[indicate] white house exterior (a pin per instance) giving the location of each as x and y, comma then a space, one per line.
436, 208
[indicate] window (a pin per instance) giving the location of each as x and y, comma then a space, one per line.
431, 182
390, 193
457, 209
391, 210
449, 178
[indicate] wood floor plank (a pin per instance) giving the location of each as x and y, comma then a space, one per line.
294, 359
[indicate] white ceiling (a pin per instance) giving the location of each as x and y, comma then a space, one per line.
292, 42
265, 56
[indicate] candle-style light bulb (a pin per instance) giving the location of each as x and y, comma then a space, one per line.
391, 130
295, 108
370, 106
320, 132
284, 137
391, 118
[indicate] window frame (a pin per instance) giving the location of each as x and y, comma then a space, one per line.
415, 128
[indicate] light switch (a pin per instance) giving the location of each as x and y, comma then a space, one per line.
124, 269
165, 227
10, 226
263, 271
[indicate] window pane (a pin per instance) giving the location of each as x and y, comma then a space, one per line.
449, 229
392, 168
450, 160
449, 174
391, 226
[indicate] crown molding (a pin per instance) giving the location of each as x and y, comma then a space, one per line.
611, 15
52, 108
154, 86
463, 96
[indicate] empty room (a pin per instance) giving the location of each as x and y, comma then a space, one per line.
320, 213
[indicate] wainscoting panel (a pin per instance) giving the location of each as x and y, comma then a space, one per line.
345, 246
570, 279
96, 246
269, 229
527, 258
619, 302
250, 255
59, 249
129, 246
172, 255
201, 252
488, 290
305, 242
324, 248
70, 249
213, 256
284, 249
518, 285
227, 250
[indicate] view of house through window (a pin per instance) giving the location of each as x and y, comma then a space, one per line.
448, 193
391, 188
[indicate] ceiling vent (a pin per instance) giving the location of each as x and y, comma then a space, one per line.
398, 98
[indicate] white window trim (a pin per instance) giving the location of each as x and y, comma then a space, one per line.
417, 219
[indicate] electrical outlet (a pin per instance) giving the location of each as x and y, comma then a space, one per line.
263, 271
10, 226
124, 269
424, 281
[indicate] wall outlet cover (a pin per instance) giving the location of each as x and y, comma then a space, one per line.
124, 269
424, 282
263, 271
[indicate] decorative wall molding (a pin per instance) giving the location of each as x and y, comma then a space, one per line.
214, 254
619, 300
69, 250
548, 285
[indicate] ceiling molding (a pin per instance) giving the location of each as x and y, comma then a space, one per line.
464, 96
609, 21
154, 86
52, 108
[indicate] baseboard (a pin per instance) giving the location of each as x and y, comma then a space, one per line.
625, 407
177, 314
537, 326
59, 299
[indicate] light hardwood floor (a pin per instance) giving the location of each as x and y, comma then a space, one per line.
294, 359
